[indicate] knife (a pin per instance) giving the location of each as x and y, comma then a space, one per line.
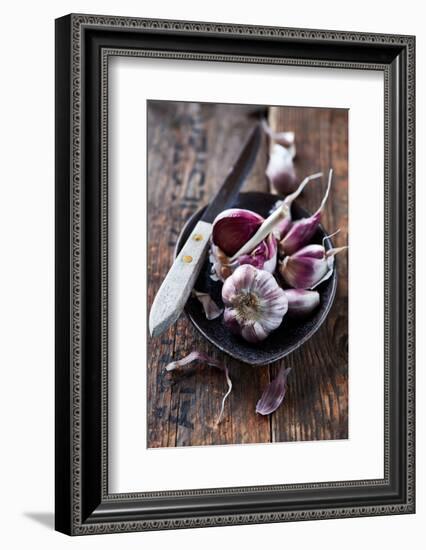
179, 281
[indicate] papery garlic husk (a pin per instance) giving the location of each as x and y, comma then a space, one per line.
255, 304
264, 256
211, 309
302, 231
280, 170
222, 267
301, 302
231, 230
274, 393
182, 367
309, 266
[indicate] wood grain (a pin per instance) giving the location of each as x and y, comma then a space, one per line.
190, 149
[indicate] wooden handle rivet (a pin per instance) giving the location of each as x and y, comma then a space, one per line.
187, 259
197, 237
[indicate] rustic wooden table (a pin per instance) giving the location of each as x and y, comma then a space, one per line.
190, 148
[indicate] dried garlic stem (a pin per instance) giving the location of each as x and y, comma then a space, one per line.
327, 192
222, 409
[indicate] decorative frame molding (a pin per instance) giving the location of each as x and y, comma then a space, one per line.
84, 43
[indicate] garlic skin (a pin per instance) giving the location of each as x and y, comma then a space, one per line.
301, 302
309, 266
255, 304
264, 256
211, 309
274, 393
222, 267
280, 170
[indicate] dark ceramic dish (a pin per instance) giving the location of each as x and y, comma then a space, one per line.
291, 334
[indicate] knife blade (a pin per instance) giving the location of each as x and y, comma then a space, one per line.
179, 281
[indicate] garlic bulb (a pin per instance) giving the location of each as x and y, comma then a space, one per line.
301, 231
309, 266
255, 304
232, 229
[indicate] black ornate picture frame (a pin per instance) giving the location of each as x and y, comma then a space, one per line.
84, 44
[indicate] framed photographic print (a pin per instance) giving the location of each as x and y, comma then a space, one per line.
234, 274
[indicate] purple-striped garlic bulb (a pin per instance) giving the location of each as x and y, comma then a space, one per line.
255, 304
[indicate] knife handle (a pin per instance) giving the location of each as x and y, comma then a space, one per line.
179, 282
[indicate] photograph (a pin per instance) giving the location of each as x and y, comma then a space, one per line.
209, 304
247, 266
234, 267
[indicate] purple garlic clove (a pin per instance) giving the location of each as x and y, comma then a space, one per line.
309, 266
282, 228
232, 228
280, 170
301, 231
301, 302
299, 234
285, 223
